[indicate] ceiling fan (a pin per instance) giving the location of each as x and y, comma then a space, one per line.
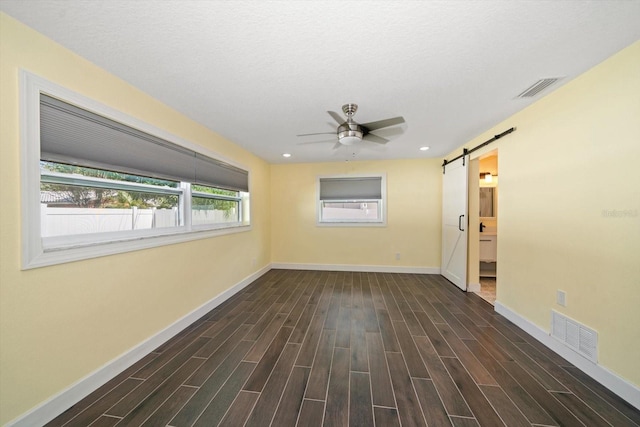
349, 132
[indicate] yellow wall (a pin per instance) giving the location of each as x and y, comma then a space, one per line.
60, 323
414, 189
574, 156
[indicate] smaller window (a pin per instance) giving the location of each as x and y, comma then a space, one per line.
210, 205
351, 200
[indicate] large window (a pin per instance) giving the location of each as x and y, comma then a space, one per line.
97, 182
351, 200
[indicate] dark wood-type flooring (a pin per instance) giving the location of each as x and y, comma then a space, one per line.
312, 348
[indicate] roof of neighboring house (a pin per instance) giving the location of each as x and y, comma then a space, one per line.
55, 197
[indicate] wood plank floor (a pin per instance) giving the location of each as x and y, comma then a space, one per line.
312, 348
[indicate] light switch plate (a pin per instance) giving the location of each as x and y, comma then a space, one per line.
561, 298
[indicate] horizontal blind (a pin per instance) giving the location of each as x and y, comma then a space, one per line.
356, 188
71, 135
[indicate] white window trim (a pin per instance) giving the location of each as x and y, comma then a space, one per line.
81, 180
34, 253
382, 222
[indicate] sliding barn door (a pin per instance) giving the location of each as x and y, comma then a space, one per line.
454, 222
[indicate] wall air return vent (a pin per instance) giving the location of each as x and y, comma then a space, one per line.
574, 335
538, 87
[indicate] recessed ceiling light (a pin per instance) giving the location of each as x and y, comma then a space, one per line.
286, 155
424, 148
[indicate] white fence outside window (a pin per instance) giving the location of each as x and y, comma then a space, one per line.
58, 221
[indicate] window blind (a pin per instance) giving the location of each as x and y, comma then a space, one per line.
356, 188
72, 135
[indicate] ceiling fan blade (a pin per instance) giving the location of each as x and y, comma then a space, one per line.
383, 123
389, 132
338, 145
375, 138
317, 133
324, 141
337, 117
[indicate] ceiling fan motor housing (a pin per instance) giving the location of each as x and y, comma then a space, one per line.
349, 133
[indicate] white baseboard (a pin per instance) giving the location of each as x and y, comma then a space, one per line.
473, 287
613, 382
358, 268
62, 401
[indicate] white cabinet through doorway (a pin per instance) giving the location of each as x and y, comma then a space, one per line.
488, 248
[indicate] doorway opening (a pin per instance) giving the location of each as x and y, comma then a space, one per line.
487, 238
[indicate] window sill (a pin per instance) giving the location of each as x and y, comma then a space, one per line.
350, 224
82, 251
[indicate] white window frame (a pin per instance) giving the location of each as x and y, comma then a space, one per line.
382, 204
39, 252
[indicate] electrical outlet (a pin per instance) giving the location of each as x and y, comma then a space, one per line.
561, 298
397, 255
253, 262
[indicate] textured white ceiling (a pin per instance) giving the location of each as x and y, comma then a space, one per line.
261, 72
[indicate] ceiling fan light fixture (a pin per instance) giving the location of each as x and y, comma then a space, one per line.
349, 137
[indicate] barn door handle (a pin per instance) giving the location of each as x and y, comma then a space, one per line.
460, 222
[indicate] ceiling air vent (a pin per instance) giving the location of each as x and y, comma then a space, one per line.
538, 87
